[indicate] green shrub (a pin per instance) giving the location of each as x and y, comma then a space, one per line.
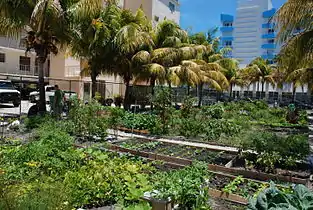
35, 121
106, 179
88, 120
49, 154
215, 111
273, 149
214, 128
186, 187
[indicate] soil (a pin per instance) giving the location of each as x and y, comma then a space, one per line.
180, 151
219, 204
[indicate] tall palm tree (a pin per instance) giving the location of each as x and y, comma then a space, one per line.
212, 75
259, 70
231, 70
92, 39
47, 26
167, 50
131, 38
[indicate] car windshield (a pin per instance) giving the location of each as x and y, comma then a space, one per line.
49, 89
6, 85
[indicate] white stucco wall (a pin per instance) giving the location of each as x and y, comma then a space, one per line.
160, 8
12, 59
248, 29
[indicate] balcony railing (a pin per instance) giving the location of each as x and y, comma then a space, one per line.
226, 29
269, 36
227, 18
269, 46
227, 38
268, 56
269, 13
268, 25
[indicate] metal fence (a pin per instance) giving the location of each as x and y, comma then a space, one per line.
139, 95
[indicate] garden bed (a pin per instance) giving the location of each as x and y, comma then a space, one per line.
299, 170
179, 151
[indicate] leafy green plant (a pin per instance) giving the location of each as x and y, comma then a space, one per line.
272, 198
272, 149
162, 101
186, 187
88, 119
232, 187
107, 179
215, 111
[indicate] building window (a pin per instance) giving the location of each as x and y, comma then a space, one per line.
24, 63
171, 6
271, 41
2, 58
271, 31
156, 18
228, 24
228, 43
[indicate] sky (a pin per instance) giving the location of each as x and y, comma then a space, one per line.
201, 15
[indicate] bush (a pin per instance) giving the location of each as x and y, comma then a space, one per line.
186, 187
215, 111
214, 128
273, 149
50, 154
106, 179
88, 120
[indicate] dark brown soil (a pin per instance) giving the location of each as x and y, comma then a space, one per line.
180, 151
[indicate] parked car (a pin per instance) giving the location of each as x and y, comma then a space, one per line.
34, 96
8, 94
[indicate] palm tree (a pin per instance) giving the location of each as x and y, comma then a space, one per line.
259, 71
47, 25
211, 74
166, 51
92, 39
231, 70
295, 30
131, 38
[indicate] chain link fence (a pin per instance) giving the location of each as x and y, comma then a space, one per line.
139, 95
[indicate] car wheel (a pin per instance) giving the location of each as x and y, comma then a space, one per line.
16, 104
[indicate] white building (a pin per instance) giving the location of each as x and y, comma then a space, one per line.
249, 33
156, 10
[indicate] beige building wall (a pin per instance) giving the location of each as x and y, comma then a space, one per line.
133, 5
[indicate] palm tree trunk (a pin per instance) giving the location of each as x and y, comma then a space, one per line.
230, 90
41, 82
93, 83
188, 90
262, 90
127, 95
152, 85
200, 89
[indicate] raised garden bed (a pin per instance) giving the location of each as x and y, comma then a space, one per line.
179, 151
300, 170
213, 167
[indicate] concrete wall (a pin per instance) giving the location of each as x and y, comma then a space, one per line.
12, 61
162, 11
133, 5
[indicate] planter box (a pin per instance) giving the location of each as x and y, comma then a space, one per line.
159, 204
134, 130
257, 175
229, 197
